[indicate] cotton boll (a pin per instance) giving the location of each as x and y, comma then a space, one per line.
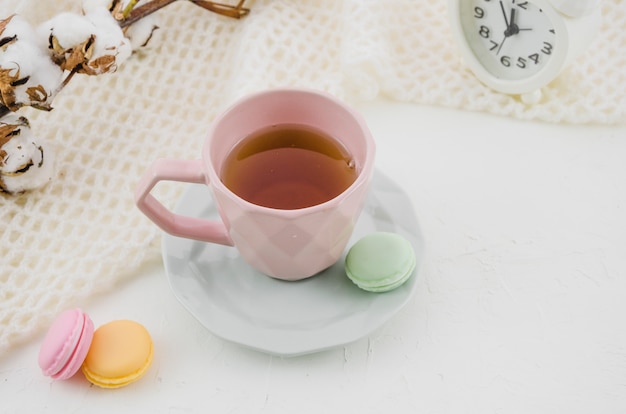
24, 163
91, 44
18, 26
140, 32
19, 58
39, 173
33, 75
69, 29
110, 39
44, 82
37, 76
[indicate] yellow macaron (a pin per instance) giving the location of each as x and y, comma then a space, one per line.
120, 353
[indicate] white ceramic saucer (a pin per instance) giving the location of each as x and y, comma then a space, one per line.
239, 304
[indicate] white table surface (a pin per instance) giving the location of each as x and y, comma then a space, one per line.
520, 308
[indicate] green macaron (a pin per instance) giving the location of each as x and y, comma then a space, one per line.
380, 261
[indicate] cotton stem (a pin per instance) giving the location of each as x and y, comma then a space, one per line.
236, 12
143, 11
131, 15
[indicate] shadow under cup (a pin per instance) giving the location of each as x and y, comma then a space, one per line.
290, 244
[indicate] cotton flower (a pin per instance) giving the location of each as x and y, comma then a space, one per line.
28, 77
92, 44
24, 164
109, 35
16, 27
140, 32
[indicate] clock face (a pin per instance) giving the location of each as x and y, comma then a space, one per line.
512, 39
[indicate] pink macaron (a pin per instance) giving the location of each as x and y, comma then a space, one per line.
66, 344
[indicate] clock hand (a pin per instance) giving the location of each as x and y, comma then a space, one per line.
513, 28
501, 43
510, 25
506, 19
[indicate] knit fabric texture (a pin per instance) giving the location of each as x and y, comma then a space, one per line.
81, 234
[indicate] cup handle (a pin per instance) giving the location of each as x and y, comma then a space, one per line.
188, 171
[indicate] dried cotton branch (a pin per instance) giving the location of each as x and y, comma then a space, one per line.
36, 63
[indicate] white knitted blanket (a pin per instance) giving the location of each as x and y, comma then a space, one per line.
81, 234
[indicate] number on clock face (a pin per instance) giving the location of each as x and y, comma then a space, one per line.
513, 39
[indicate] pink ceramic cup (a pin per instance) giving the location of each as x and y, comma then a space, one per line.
284, 244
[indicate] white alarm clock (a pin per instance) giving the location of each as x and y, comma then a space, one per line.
519, 46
